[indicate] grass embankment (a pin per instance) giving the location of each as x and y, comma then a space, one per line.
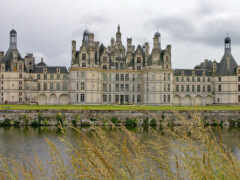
119, 107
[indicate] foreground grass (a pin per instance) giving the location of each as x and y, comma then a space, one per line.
122, 155
119, 107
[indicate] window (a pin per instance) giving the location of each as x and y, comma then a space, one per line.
65, 76
133, 99
169, 87
51, 86
198, 79
219, 87
121, 65
204, 89
104, 59
45, 86
82, 86
83, 56
219, 79
139, 87
193, 88
239, 79
116, 64
198, 88
58, 76
122, 77
169, 98
126, 98
104, 67
169, 77
238, 99
104, 87
182, 79
122, 87
117, 99
65, 85
110, 98
117, 77
83, 75
20, 76
188, 79
38, 76
126, 77
117, 87
188, 88
20, 99
138, 67
39, 86
182, 88
45, 76
82, 97
110, 87
209, 88
126, 87
58, 86
138, 59
203, 79
51, 76
177, 79
208, 79
104, 98
138, 98
193, 79
84, 65
164, 98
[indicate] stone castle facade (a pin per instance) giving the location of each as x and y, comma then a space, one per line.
117, 75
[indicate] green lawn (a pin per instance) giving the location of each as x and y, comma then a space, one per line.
115, 107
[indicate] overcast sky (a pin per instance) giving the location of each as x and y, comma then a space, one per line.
195, 28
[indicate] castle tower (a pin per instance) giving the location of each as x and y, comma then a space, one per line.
118, 36
13, 39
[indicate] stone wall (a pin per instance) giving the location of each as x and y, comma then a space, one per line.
51, 117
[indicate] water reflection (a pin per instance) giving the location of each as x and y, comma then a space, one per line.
26, 143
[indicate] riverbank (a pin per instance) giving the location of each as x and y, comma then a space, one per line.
121, 107
108, 117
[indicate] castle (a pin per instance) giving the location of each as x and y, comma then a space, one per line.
117, 75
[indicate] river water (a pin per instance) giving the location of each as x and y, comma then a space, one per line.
24, 144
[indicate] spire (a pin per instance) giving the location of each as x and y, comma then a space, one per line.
13, 39
118, 35
118, 28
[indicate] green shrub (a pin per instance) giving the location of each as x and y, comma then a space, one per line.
131, 123
153, 123
35, 123
59, 119
40, 118
115, 120
74, 122
85, 124
16, 123
146, 122
6, 122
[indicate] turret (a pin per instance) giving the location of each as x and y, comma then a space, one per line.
147, 48
227, 42
13, 39
129, 45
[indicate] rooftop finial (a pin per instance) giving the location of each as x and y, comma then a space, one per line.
118, 28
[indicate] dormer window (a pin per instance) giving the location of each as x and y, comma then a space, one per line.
104, 59
138, 59
83, 56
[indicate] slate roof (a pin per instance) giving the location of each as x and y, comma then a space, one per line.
189, 72
227, 66
50, 69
